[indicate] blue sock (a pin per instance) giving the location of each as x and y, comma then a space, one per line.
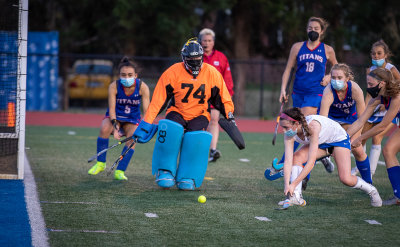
295, 146
101, 145
394, 177
123, 164
365, 170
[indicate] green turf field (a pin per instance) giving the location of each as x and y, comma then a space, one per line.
238, 192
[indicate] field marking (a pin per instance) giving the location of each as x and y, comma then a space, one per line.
151, 215
244, 160
56, 202
261, 218
86, 231
373, 222
38, 226
71, 133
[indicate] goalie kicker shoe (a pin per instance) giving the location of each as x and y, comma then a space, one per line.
97, 168
295, 199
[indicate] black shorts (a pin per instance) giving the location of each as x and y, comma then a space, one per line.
197, 123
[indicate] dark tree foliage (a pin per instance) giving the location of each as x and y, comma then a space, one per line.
159, 28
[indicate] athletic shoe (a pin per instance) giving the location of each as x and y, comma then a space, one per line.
329, 166
294, 200
186, 184
98, 167
214, 155
304, 183
392, 201
120, 175
354, 171
376, 200
165, 179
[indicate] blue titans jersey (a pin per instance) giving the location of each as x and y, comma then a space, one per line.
386, 102
127, 107
343, 111
310, 70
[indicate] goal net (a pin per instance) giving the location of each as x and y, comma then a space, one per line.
13, 47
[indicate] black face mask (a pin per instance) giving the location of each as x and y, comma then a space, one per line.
312, 35
374, 91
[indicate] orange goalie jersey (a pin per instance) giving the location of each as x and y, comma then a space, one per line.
190, 97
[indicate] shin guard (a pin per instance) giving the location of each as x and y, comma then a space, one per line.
168, 144
193, 160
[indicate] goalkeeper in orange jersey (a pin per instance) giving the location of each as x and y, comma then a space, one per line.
187, 89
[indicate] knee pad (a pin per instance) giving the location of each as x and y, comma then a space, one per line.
166, 149
194, 157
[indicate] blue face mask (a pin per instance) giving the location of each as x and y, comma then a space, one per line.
379, 62
127, 82
290, 133
337, 84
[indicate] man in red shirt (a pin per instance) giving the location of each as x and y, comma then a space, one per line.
220, 62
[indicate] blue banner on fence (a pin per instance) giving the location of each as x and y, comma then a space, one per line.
43, 89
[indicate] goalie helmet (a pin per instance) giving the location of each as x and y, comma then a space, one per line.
192, 56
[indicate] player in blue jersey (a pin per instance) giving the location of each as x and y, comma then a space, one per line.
125, 96
341, 101
310, 57
384, 89
380, 55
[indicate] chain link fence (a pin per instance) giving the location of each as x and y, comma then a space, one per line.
257, 82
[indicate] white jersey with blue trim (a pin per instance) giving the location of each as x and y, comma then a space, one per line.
331, 131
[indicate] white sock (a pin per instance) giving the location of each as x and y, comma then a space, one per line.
296, 170
374, 154
364, 186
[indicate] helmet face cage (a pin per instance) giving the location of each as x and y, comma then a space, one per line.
191, 50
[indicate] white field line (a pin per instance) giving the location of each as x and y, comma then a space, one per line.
57, 202
373, 222
261, 218
38, 226
86, 231
151, 215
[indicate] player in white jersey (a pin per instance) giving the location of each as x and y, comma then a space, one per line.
380, 58
320, 136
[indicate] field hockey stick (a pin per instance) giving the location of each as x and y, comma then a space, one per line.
106, 149
281, 109
277, 123
121, 157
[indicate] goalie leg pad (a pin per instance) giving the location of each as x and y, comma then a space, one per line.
166, 151
193, 160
